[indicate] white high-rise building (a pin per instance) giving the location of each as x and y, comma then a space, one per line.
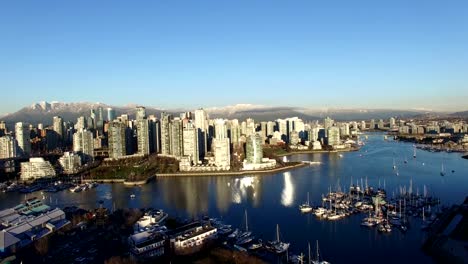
22, 135
36, 168
70, 162
190, 137
176, 138
282, 127
270, 128
80, 123
254, 149
110, 114
314, 134
328, 122
116, 138
250, 127
222, 156
83, 143
8, 147
143, 136
333, 136
392, 122
59, 127
140, 113
235, 131
166, 119
220, 128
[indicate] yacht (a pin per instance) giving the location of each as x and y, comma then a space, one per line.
305, 207
278, 246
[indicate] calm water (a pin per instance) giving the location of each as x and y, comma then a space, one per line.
274, 199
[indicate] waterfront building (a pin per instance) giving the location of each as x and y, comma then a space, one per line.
176, 146
235, 131
263, 130
220, 128
254, 149
143, 139
8, 147
201, 124
154, 134
165, 134
83, 143
404, 130
117, 140
270, 128
22, 226
344, 130
333, 138
140, 113
282, 125
328, 122
392, 122
221, 152
36, 168
363, 125
70, 162
294, 138
147, 244
22, 135
191, 238
313, 134
190, 145
372, 124
381, 124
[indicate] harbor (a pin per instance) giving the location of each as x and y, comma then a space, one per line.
274, 200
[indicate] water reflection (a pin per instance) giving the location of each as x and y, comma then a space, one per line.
287, 196
246, 188
189, 194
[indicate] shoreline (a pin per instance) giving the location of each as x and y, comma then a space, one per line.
232, 173
315, 151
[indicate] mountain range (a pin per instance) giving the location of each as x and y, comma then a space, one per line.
43, 112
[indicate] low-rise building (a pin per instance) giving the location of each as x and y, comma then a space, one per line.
147, 244
191, 238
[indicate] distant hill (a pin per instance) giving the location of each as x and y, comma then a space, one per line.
43, 112
463, 114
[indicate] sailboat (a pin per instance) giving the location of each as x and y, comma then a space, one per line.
406, 160
279, 246
317, 260
414, 152
394, 165
244, 237
442, 170
305, 207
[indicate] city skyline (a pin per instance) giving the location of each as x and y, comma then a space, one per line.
353, 55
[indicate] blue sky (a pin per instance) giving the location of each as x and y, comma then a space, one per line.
171, 54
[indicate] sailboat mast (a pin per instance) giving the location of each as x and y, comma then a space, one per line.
246, 223
310, 260
277, 233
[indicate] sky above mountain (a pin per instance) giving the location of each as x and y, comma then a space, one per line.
189, 54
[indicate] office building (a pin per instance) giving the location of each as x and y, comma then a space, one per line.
294, 138
22, 135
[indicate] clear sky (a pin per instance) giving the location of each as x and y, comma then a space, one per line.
171, 54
